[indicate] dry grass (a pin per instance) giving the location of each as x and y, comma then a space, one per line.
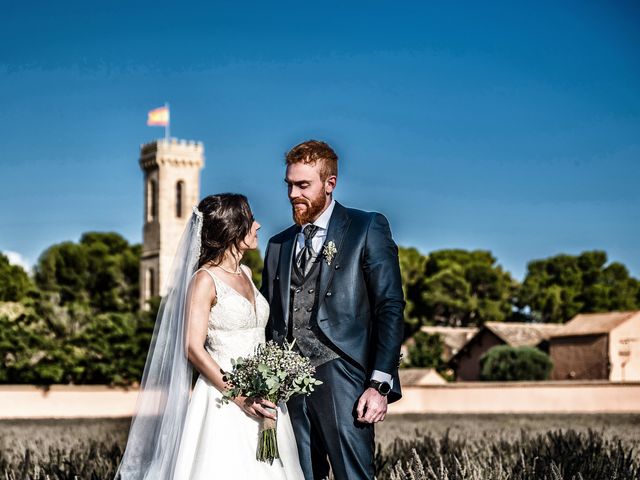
429, 446
507, 427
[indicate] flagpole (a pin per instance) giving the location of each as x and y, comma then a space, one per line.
166, 127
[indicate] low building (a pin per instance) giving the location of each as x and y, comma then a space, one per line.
411, 377
598, 346
453, 339
466, 362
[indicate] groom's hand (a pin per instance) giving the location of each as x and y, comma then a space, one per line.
372, 407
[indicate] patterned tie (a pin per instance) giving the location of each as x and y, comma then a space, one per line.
307, 252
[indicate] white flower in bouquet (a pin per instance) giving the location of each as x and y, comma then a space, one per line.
276, 374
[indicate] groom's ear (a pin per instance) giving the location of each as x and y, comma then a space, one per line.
330, 184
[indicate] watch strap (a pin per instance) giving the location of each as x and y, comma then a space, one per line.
383, 388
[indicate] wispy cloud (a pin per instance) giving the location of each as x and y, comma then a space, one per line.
16, 258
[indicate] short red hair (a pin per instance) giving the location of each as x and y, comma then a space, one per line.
313, 151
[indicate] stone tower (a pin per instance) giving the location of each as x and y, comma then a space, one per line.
171, 188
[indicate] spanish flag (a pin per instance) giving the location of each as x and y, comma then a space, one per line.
158, 117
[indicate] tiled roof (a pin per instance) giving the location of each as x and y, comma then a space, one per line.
594, 323
420, 376
521, 334
454, 338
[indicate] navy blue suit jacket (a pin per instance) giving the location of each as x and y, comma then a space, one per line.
360, 303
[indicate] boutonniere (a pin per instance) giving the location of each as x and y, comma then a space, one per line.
329, 251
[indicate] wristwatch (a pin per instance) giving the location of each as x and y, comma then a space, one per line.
383, 388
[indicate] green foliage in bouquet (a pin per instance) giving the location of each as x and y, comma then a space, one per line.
273, 373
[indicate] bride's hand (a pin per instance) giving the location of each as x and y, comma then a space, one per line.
254, 407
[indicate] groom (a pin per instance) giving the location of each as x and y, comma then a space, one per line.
333, 284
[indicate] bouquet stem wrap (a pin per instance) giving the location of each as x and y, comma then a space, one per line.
268, 442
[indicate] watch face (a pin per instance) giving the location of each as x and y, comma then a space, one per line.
384, 388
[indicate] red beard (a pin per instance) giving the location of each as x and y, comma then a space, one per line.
313, 210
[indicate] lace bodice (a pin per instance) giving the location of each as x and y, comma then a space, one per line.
235, 328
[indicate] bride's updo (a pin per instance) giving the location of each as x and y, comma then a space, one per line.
226, 221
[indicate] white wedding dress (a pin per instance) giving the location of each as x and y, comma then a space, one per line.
219, 441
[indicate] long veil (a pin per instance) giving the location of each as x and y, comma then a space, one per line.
156, 428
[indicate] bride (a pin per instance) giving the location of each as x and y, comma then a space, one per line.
212, 313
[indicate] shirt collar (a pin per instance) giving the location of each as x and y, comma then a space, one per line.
322, 221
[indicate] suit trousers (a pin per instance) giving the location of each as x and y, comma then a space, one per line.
325, 425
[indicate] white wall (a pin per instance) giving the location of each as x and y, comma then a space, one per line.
63, 401
624, 351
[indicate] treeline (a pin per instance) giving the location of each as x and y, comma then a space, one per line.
77, 318
468, 288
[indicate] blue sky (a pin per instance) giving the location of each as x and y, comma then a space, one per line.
492, 125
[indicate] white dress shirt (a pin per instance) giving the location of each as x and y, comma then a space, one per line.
322, 222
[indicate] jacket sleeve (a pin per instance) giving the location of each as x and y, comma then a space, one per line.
384, 285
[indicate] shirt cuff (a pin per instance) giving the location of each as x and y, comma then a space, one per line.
379, 376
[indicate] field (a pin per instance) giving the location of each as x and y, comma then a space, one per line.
435, 447
507, 427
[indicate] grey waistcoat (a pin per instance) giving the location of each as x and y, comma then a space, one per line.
310, 341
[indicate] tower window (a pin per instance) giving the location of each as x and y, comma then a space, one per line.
179, 198
152, 200
151, 280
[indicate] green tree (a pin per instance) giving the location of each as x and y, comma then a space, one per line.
14, 281
461, 288
30, 352
506, 363
114, 272
114, 348
426, 351
82, 325
47, 345
412, 264
253, 260
101, 271
64, 269
557, 288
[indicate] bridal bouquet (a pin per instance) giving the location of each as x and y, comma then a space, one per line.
276, 374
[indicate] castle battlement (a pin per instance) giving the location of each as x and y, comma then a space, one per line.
172, 143
172, 151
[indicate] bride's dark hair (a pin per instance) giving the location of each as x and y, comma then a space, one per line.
226, 221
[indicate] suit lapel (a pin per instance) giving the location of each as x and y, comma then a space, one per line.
284, 272
338, 226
